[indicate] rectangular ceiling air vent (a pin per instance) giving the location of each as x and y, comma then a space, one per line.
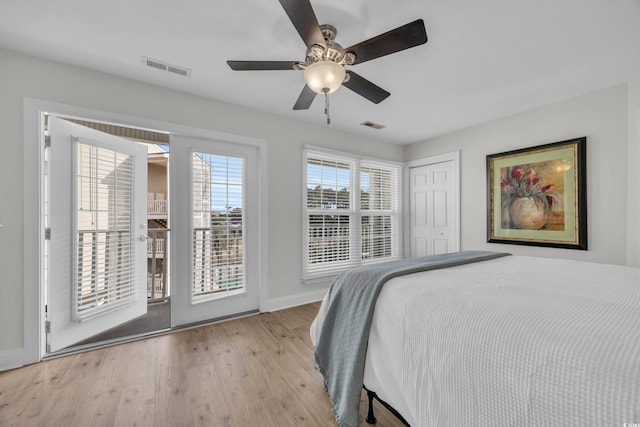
373, 125
164, 66
177, 70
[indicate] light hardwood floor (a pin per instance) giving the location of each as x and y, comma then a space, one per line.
254, 371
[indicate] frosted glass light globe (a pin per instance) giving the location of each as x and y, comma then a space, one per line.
324, 74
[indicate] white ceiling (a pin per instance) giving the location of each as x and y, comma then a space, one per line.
484, 59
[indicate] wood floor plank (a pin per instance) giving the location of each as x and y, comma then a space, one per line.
252, 371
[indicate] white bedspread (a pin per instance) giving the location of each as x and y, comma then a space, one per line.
516, 341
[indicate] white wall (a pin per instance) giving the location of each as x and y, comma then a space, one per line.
633, 164
603, 118
24, 76
609, 118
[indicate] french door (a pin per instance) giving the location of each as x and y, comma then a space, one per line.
215, 242
97, 232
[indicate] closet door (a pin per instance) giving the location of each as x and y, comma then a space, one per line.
432, 209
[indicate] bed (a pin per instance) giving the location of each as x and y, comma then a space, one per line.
496, 341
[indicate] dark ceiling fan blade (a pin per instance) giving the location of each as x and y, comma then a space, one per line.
304, 19
305, 99
365, 88
401, 38
261, 65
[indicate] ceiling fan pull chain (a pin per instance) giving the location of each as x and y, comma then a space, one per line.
326, 104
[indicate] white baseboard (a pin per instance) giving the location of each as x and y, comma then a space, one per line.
11, 359
275, 304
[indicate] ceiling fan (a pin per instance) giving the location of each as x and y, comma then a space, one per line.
325, 60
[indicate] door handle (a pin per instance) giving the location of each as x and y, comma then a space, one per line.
142, 237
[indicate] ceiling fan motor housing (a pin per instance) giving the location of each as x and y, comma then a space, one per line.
328, 32
332, 52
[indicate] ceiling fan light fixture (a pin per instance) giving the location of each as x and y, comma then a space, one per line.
323, 75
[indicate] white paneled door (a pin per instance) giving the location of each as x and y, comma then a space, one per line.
214, 187
98, 227
432, 201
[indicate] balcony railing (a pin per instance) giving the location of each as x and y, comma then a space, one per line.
155, 287
156, 246
217, 260
157, 274
156, 209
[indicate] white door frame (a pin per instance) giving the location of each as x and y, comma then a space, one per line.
33, 146
453, 156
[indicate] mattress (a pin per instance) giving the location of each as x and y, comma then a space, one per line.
513, 341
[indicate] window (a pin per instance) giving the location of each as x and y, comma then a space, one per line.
351, 212
217, 201
377, 208
104, 253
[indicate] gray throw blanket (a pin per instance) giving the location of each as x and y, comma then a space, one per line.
342, 343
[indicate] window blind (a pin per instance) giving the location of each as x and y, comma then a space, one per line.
351, 212
104, 246
218, 267
380, 202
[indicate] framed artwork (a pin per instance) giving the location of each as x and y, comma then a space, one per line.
538, 195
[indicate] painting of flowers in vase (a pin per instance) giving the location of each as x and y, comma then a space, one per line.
537, 195
530, 194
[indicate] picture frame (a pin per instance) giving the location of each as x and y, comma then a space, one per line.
538, 195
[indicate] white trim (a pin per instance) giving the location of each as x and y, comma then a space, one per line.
453, 156
11, 359
33, 173
341, 154
320, 280
330, 153
33, 109
275, 304
263, 236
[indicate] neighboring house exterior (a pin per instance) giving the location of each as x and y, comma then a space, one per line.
158, 287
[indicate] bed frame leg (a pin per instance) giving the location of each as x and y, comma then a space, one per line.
371, 419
